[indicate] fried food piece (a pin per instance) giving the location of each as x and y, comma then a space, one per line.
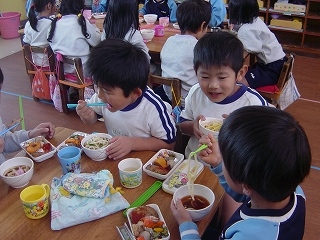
33, 147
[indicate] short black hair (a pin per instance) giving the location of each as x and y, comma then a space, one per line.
1, 78
219, 48
118, 63
242, 11
192, 13
266, 149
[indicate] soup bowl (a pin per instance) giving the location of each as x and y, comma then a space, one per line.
17, 171
150, 18
211, 125
199, 190
95, 145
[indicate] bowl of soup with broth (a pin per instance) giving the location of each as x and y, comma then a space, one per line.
17, 171
95, 145
200, 205
211, 125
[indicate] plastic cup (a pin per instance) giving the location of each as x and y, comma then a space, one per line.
130, 172
164, 21
35, 200
69, 158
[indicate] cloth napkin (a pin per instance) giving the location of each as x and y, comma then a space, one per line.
69, 209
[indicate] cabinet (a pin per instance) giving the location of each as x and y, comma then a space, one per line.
307, 38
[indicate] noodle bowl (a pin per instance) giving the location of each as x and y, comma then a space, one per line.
95, 145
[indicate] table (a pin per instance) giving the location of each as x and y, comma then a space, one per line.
15, 225
156, 44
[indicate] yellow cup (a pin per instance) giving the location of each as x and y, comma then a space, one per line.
35, 200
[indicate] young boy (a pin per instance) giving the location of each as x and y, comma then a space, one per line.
10, 142
177, 53
265, 155
218, 63
163, 8
134, 115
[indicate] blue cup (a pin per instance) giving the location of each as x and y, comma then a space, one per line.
69, 158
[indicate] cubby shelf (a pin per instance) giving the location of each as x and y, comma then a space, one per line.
306, 39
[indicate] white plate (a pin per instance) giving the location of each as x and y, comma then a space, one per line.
63, 144
42, 157
179, 177
154, 206
179, 157
99, 15
176, 26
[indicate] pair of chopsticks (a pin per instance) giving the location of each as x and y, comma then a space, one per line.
3, 132
73, 105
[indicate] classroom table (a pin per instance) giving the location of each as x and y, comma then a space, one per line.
15, 225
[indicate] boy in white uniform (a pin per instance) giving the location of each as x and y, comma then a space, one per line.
134, 115
218, 62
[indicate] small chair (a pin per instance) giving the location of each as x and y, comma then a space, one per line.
272, 93
154, 80
67, 80
31, 67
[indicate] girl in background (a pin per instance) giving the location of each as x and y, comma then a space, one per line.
40, 17
122, 22
99, 6
71, 34
257, 39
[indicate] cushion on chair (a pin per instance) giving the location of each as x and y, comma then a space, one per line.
268, 89
73, 78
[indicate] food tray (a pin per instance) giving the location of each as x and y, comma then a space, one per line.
42, 157
156, 207
179, 158
179, 177
63, 144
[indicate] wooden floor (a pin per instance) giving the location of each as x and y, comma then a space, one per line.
306, 110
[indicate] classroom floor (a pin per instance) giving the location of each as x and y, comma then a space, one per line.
306, 110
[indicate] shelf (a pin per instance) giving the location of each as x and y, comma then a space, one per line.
294, 14
285, 29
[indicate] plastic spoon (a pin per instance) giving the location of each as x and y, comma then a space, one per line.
203, 146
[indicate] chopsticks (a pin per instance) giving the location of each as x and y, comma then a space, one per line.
73, 105
145, 196
8, 129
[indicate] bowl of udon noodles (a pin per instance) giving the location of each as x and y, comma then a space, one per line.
95, 145
210, 125
17, 171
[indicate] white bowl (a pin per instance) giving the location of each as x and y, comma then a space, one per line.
20, 180
155, 207
150, 18
200, 190
203, 125
147, 34
97, 154
177, 160
40, 155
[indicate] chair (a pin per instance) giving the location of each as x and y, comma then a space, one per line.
272, 93
66, 80
31, 67
154, 80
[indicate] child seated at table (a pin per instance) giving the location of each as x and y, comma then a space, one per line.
99, 6
10, 141
71, 34
40, 17
262, 156
134, 115
177, 52
163, 8
122, 22
218, 62
218, 13
257, 39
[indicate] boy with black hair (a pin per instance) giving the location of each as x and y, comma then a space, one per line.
218, 63
177, 52
163, 8
134, 115
262, 156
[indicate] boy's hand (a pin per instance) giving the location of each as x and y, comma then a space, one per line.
179, 212
196, 130
1, 145
211, 154
86, 113
119, 147
43, 129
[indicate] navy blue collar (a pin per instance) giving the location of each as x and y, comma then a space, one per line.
235, 96
134, 104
